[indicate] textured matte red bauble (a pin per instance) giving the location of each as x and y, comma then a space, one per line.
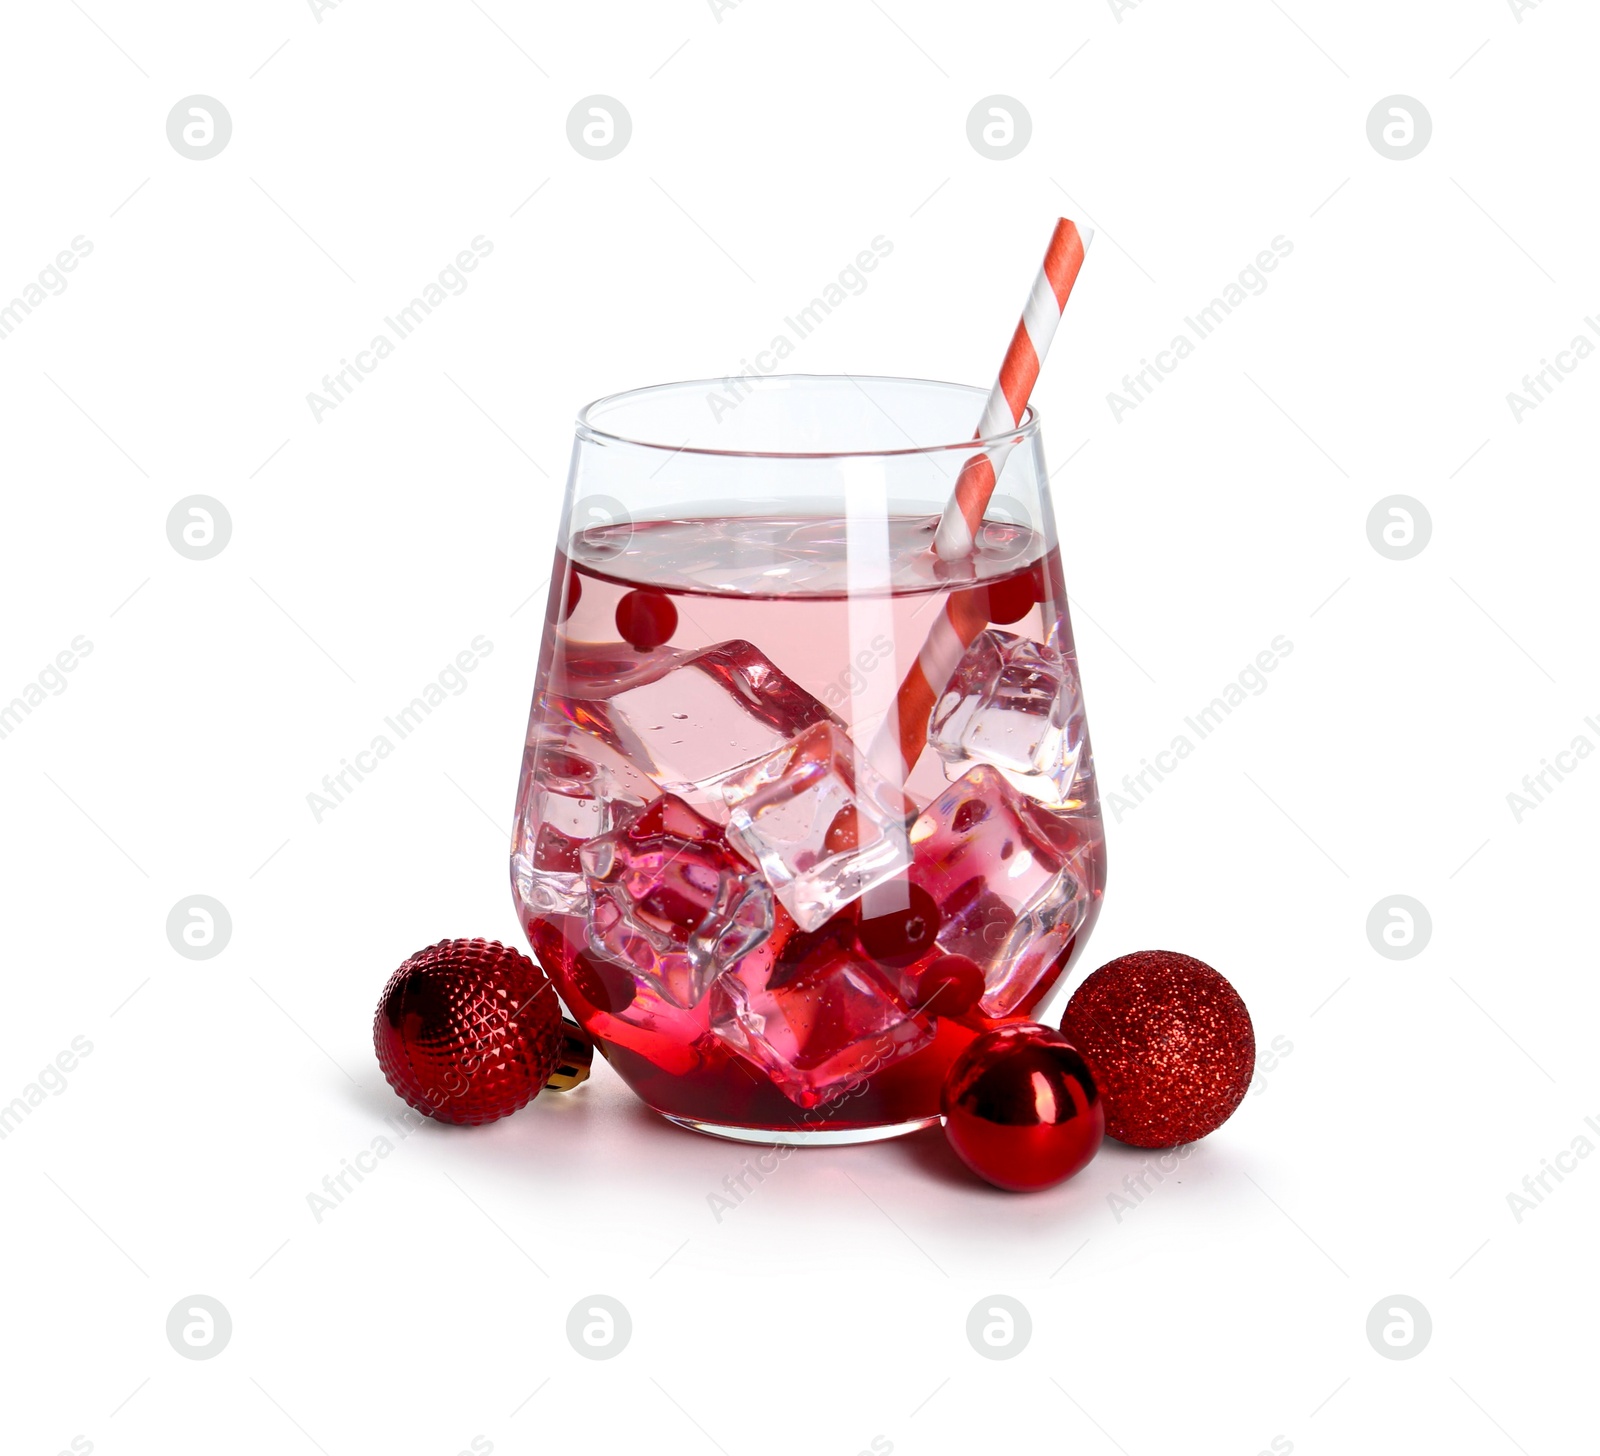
468, 1031
1170, 1042
1020, 1108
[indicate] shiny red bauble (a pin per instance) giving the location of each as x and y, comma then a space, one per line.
470, 1030
1170, 1042
1021, 1109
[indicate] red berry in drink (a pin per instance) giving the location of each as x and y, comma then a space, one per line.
898, 924
564, 598
646, 619
949, 986
1012, 599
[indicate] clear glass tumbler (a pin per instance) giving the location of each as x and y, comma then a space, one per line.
803, 808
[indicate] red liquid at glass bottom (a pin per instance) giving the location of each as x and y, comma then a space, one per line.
767, 931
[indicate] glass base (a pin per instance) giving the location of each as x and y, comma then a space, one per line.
819, 1137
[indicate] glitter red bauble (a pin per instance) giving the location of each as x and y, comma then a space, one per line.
1021, 1109
1170, 1042
468, 1031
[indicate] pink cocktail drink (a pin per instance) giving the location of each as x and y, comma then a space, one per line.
779, 891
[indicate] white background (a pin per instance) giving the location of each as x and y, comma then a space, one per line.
769, 146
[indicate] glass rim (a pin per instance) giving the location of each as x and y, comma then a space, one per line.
1026, 427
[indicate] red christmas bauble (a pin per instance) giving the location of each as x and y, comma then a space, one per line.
1021, 1109
1170, 1042
470, 1030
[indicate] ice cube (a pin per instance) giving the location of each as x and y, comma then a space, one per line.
670, 900
542, 892
567, 778
1012, 880
814, 1013
820, 821
705, 716
587, 670
1013, 704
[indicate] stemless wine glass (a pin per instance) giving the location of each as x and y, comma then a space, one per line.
803, 808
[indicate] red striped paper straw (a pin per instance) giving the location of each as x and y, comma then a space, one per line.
900, 740
963, 513
903, 733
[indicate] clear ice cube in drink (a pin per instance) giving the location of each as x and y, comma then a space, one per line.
707, 715
1011, 880
669, 900
814, 1013
567, 775
821, 823
1013, 704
